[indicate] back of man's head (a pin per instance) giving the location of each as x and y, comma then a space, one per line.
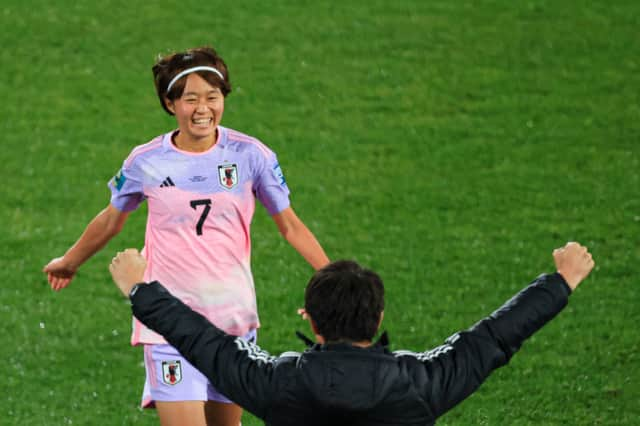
345, 301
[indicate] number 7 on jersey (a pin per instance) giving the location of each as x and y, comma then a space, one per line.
205, 212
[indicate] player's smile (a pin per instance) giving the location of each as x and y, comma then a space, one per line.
202, 121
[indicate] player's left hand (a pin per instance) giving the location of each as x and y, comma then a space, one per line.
127, 269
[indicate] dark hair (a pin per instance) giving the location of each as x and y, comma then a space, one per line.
167, 67
345, 301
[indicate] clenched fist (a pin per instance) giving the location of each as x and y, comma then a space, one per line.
573, 262
127, 269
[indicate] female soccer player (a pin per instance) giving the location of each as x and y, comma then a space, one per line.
200, 182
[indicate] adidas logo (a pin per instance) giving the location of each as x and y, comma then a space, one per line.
167, 182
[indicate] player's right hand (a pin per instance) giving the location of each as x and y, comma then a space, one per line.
59, 273
573, 262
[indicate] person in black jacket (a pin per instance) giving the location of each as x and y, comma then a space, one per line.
344, 378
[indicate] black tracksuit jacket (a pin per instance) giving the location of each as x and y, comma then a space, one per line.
339, 384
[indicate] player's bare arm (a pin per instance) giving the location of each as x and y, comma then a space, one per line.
300, 238
108, 223
573, 262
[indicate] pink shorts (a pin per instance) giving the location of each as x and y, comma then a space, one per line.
170, 377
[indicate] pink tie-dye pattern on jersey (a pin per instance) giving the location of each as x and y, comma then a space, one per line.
208, 269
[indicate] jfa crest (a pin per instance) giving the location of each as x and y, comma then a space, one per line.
228, 174
171, 372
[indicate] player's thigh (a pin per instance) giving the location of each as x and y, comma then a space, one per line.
222, 414
179, 413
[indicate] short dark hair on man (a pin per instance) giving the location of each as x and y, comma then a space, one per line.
345, 301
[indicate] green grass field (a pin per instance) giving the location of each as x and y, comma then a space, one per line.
448, 145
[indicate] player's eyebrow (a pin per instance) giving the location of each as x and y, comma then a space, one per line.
215, 91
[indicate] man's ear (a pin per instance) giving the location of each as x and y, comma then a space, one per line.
380, 321
314, 327
170, 106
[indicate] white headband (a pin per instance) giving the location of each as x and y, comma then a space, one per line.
189, 71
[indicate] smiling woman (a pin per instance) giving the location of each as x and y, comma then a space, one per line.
192, 86
200, 182
198, 113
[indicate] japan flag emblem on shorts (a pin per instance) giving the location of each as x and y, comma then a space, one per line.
171, 372
228, 174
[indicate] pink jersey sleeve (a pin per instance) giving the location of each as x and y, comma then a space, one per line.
270, 185
127, 191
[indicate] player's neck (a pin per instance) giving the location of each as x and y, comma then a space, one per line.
185, 143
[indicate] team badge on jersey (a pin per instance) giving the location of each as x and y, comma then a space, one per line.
171, 372
228, 174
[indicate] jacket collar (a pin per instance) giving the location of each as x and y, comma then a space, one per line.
381, 345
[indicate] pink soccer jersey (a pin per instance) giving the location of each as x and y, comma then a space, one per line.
200, 206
